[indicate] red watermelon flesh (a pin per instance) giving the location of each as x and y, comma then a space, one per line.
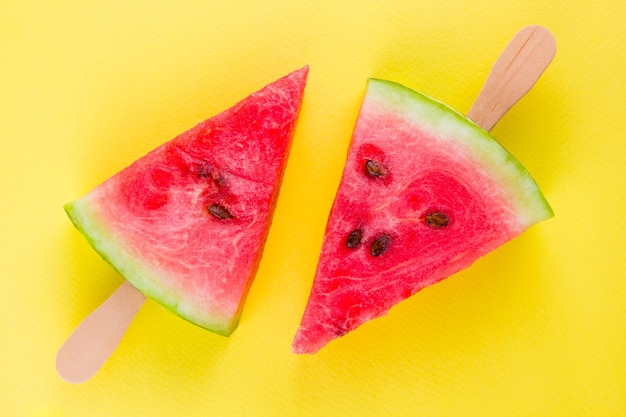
424, 193
186, 223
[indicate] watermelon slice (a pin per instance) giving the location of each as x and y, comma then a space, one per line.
425, 192
186, 223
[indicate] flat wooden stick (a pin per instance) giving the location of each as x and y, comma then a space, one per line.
517, 69
98, 335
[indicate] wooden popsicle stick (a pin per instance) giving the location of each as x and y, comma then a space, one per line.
517, 69
98, 335
520, 65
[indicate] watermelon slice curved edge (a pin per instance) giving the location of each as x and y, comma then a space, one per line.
424, 193
186, 223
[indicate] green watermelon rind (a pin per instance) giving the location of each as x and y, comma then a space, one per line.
111, 250
450, 125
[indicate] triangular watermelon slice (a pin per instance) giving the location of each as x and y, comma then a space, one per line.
425, 192
186, 223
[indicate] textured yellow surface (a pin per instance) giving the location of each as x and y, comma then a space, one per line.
538, 327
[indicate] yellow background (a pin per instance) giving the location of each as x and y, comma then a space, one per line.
538, 327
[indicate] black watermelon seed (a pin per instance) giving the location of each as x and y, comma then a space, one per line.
219, 211
375, 169
354, 239
380, 245
437, 220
